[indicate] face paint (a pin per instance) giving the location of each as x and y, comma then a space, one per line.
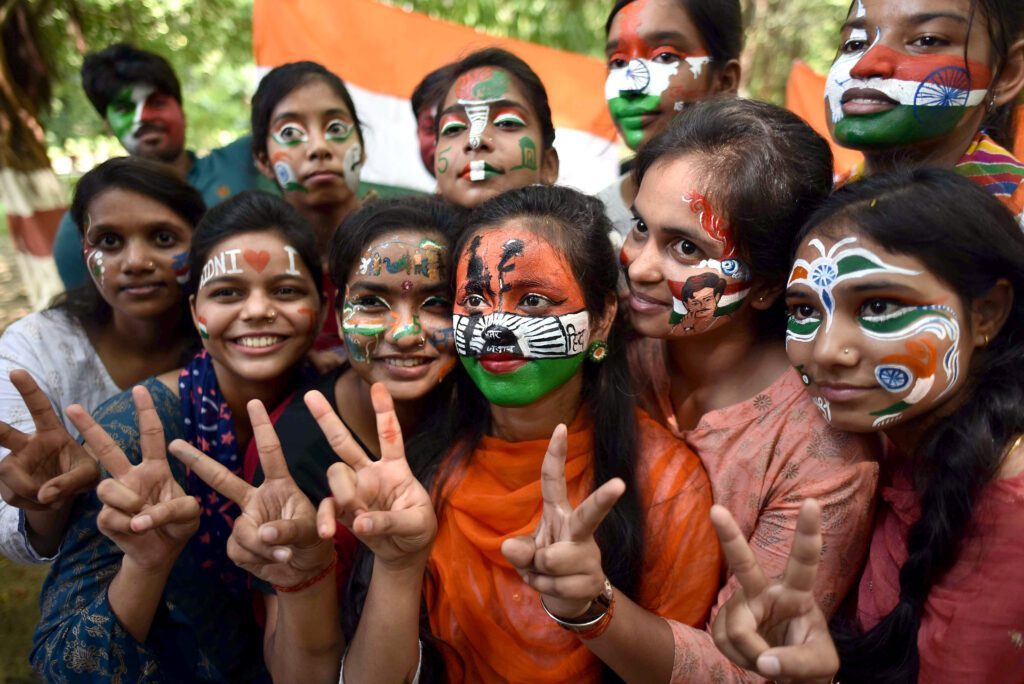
224, 263
179, 262
480, 170
201, 327
292, 269
637, 80
427, 260
477, 89
715, 228
352, 166
94, 260
442, 160
933, 92
829, 270
285, 174
513, 357
141, 105
290, 135
257, 259
528, 148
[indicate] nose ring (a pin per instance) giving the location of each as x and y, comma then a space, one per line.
422, 343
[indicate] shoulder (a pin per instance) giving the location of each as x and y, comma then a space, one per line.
45, 340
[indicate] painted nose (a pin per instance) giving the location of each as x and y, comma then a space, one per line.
878, 62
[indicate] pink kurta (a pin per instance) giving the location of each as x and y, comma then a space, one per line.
765, 456
972, 627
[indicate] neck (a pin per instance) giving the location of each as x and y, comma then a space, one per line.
181, 164
355, 406
325, 218
146, 334
714, 370
238, 392
944, 154
539, 419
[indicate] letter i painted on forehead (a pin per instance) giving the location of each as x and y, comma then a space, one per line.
224, 263
292, 253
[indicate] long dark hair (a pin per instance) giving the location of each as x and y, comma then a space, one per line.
720, 23
107, 72
1005, 26
527, 78
767, 170
278, 84
145, 177
969, 240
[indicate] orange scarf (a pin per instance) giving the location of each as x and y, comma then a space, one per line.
480, 606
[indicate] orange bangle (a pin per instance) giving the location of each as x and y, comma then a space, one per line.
602, 626
311, 581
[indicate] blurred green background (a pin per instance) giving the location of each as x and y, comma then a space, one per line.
209, 43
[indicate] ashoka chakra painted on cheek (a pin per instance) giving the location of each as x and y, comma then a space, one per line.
948, 86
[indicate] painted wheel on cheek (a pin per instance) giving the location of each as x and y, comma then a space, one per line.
943, 89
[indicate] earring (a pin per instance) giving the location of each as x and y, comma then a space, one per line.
597, 351
986, 341
761, 299
991, 102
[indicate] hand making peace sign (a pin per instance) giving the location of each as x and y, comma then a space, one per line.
45, 469
275, 537
562, 560
382, 502
145, 511
776, 628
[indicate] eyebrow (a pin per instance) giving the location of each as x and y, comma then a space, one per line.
283, 116
657, 37
912, 20
497, 104
882, 285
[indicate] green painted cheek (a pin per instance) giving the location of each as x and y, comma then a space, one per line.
528, 153
627, 112
898, 126
531, 382
120, 121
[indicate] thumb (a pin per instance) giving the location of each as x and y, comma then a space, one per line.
807, 661
519, 551
81, 477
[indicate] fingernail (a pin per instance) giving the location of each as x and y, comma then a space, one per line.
49, 493
769, 665
268, 534
142, 523
526, 577
281, 555
367, 526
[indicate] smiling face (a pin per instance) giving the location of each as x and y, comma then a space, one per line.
257, 307
313, 151
875, 336
657, 64
680, 258
489, 139
397, 314
148, 123
521, 325
901, 78
136, 250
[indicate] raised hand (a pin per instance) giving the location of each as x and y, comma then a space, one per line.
145, 511
382, 502
775, 628
275, 537
45, 469
562, 560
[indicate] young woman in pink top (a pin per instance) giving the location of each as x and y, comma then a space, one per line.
906, 317
721, 193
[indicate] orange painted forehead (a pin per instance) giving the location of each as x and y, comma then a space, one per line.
504, 263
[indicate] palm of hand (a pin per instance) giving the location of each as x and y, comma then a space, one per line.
391, 486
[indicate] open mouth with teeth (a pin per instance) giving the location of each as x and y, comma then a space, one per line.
259, 342
406, 363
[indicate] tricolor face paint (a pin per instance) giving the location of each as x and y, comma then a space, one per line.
148, 123
681, 260
257, 307
521, 326
875, 336
489, 139
136, 251
890, 87
396, 316
657, 64
313, 147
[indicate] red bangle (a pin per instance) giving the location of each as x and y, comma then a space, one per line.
602, 626
311, 581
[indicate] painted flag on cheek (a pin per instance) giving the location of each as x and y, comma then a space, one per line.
382, 52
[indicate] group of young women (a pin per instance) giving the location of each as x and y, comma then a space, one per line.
507, 470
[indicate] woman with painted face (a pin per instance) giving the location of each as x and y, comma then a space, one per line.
664, 55
307, 137
553, 468
494, 130
722, 190
893, 331
129, 322
144, 562
932, 83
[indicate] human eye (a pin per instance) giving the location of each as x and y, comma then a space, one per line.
617, 61
802, 313
165, 238
290, 135
929, 41
509, 120
290, 291
685, 248
225, 292
108, 242
857, 42
338, 130
452, 127
370, 303
473, 301
880, 309
437, 302
533, 300
667, 57
639, 226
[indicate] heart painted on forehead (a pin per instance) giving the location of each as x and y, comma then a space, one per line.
257, 260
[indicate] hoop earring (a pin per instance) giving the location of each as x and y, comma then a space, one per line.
597, 351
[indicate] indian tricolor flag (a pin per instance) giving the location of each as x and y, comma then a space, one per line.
382, 53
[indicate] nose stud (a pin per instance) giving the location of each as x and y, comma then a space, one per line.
271, 316
846, 350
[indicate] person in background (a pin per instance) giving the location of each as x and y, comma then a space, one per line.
425, 100
138, 95
662, 56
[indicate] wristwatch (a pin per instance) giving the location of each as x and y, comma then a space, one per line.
595, 613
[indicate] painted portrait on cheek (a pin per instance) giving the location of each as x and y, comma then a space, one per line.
521, 327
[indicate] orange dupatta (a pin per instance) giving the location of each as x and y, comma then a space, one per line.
482, 609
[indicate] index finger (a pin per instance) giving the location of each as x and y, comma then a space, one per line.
805, 555
595, 508
552, 470
740, 557
392, 446
11, 438
267, 444
151, 430
338, 436
37, 403
102, 446
211, 472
